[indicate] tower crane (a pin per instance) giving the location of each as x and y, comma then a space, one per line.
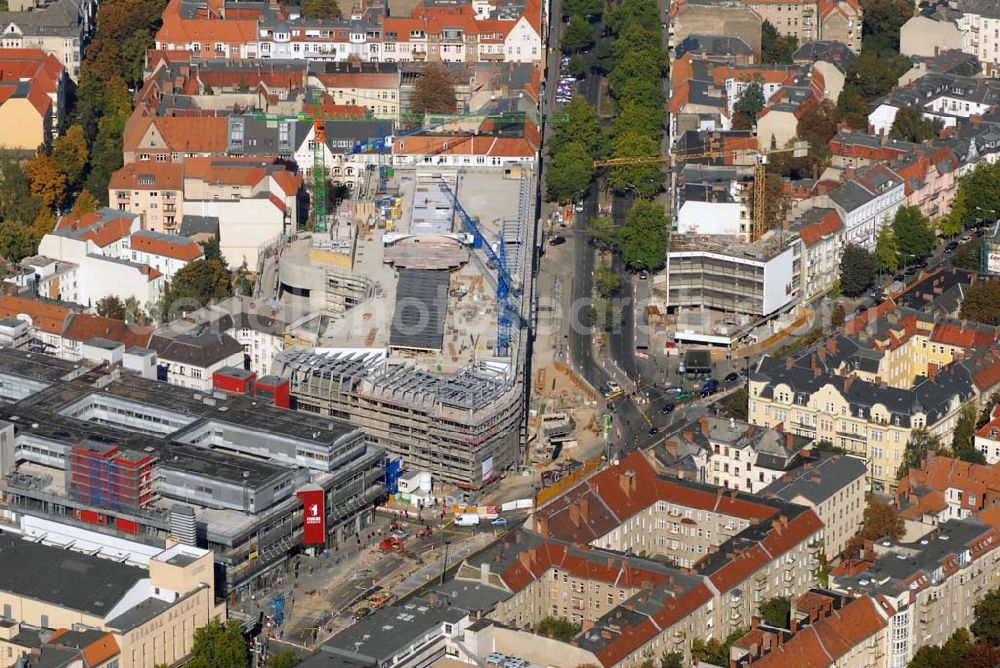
506, 311
799, 150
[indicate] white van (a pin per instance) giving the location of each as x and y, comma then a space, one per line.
467, 520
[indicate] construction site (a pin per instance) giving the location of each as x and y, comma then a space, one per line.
416, 309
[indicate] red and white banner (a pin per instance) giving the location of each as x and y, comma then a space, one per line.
313, 515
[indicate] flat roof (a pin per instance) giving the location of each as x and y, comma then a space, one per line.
65, 578
391, 629
420, 310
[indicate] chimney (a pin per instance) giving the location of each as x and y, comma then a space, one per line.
704, 424
832, 346
754, 622
789, 439
623, 482
688, 436
432, 600
789, 362
542, 524
671, 447
848, 381
976, 120
848, 172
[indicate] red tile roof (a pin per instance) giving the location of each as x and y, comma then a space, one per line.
829, 224
965, 336
46, 317
83, 326
101, 227
828, 638
41, 71
148, 175
176, 247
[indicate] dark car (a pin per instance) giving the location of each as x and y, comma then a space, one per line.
557, 241
655, 430
668, 407
731, 377
899, 277
711, 385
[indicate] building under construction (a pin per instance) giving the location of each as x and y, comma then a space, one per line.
431, 363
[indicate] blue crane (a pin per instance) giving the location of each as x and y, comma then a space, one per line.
506, 313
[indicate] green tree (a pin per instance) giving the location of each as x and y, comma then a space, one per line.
857, 271
644, 236
775, 611
16, 241
969, 255
434, 91
244, 281
982, 302
48, 183
921, 444
737, 404
570, 173
321, 9
986, 628
645, 179
607, 281
819, 125
194, 286
710, 651
577, 66
558, 628
588, 9
212, 251
218, 646
910, 124
751, 102
286, 659
16, 201
963, 436
578, 35
886, 250
881, 24
672, 660
578, 122
71, 154
868, 77
111, 307
978, 198
774, 48
602, 232
881, 521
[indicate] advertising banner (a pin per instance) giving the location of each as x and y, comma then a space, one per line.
314, 515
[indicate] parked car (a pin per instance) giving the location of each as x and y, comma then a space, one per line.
966, 238
676, 389
612, 389
683, 396
712, 385
500, 522
655, 430
731, 377
668, 408
557, 241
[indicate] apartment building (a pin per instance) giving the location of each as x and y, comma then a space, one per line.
868, 418
97, 246
866, 200
821, 248
152, 190
151, 612
944, 488
929, 586
834, 486
33, 88
987, 439
732, 454
806, 20
60, 29
749, 547
948, 98
825, 628
374, 86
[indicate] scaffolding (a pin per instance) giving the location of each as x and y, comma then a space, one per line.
105, 477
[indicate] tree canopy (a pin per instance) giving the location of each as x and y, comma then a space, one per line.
434, 91
578, 35
978, 198
321, 9
218, 646
963, 436
775, 611
588, 9
881, 521
915, 237
570, 173
286, 659
910, 124
558, 628
982, 302
644, 236
774, 48
857, 271
194, 286
751, 102
886, 250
